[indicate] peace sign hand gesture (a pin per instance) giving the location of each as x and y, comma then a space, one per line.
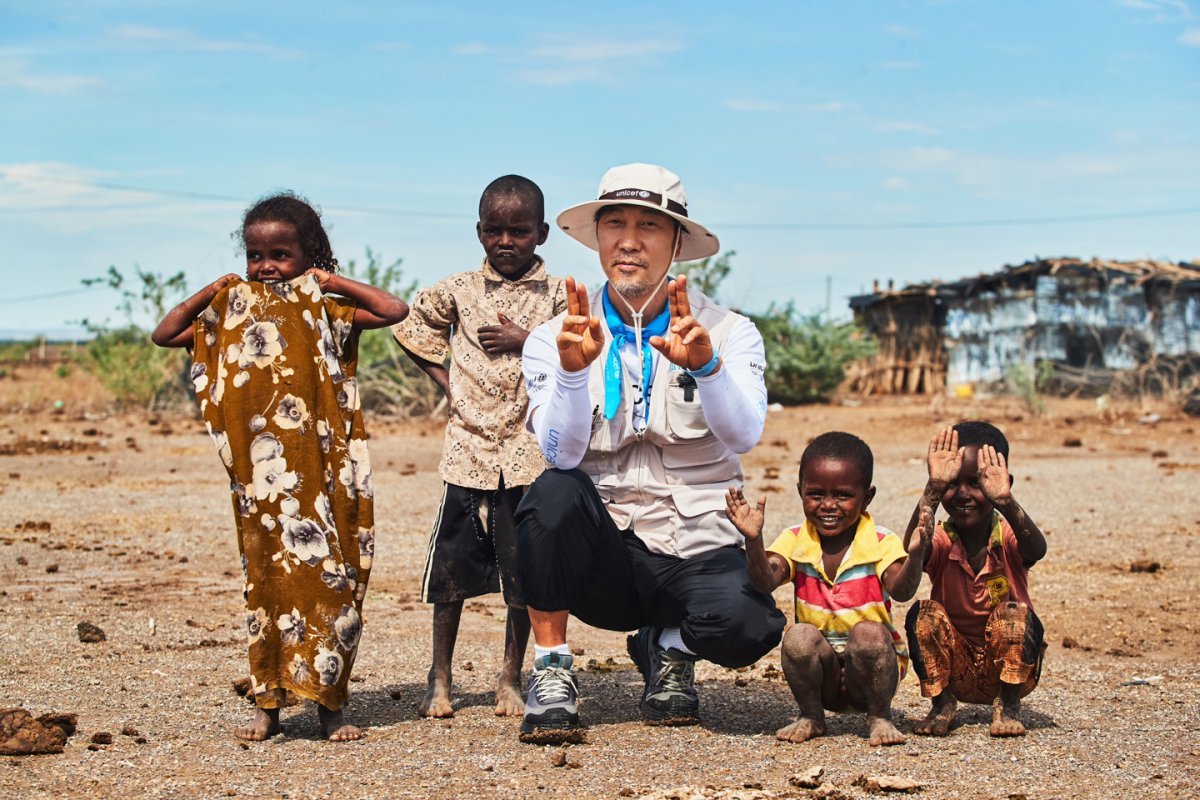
580, 340
687, 343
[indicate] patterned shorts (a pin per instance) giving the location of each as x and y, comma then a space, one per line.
1012, 653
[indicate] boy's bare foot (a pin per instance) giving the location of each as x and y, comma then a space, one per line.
509, 702
940, 717
264, 725
881, 732
436, 702
1004, 719
801, 730
334, 726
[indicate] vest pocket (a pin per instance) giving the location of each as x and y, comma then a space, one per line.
685, 417
697, 462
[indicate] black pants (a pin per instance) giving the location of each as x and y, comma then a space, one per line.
571, 556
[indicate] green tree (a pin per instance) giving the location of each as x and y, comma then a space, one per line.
807, 354
389, 382
707, 274
123, 359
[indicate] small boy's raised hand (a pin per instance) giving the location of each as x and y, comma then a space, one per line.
507, 337
746, 518
945, 457
919, 545
994, 480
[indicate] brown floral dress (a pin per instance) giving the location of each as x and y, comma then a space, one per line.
274, 370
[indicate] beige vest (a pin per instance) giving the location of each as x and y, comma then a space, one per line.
668, 483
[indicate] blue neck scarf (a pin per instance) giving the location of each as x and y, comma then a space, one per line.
622, 333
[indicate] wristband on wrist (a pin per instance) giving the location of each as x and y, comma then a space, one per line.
707, 369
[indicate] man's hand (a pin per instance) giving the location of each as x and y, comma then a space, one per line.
746, 518
945, 457
507, 337
687, 343
994, 480
580, 340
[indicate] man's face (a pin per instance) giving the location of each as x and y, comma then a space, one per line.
509, 230
637, 246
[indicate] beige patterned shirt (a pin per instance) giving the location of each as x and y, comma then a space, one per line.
486, 433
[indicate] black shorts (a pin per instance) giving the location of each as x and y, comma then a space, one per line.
574, 558
473, 548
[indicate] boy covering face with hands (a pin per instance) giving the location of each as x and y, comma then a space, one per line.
976, 639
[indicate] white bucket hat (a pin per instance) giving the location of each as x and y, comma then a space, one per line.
644, 185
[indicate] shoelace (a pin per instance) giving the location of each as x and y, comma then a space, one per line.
677, 675
553, 685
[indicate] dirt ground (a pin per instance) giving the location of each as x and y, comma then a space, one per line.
124, 522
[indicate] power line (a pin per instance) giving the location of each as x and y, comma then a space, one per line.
781, 226
48, 295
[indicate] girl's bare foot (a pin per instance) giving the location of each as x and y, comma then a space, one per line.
436, 702
881, 731
940, 717
509, 702
1004, 719
801, 730
264, 725
334, 726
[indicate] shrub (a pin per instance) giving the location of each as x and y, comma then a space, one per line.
807, 354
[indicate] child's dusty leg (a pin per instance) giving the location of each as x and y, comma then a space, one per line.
1014, 642
871, 677
509, 702
940, 718
930, 644
264, 725
813, 673
1005, 709
436, 702
334, 726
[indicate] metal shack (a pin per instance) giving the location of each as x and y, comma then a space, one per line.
1088, 318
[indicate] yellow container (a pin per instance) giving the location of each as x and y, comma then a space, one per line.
964, 390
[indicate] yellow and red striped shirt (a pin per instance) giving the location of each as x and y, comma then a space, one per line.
855, 593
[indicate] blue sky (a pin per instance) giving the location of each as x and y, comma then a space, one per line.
821, 141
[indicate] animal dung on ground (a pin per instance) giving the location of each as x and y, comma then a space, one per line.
1145, 565
102, 737
89, 632
1072, 441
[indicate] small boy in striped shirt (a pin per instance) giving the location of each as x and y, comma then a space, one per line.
843, 651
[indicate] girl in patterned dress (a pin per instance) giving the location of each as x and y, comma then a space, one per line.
274, 365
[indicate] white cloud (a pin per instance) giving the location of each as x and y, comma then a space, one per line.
1161, 10
17, 73
1190, 37
610, 50
471, 49
907, 127
752, 105
902, 32
179, 39
832, 107
561, 60
895, 183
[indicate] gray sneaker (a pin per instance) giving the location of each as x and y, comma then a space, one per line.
670, 675
551, 716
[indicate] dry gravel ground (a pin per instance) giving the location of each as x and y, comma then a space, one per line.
125, 522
